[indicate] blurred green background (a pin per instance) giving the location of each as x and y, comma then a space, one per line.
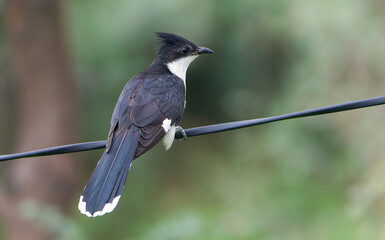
314, 178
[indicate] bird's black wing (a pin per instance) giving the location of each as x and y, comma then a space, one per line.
136, 126
146, 101
159, 99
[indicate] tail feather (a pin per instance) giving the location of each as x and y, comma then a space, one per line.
105, 186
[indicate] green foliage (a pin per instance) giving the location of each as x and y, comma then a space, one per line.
294, 180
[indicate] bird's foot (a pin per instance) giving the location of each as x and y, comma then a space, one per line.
182, 132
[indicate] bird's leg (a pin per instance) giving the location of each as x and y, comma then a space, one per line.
181, 131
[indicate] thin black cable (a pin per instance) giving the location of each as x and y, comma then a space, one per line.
71, 148
207, 129
370, 102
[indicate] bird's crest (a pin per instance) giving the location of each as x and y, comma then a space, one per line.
171, 39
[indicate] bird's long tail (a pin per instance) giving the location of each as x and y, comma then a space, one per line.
103, 190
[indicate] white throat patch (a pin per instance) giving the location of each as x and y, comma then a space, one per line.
179, 66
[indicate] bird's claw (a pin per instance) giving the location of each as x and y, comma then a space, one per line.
182, 132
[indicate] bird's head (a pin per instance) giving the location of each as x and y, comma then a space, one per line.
177, 50
175, 47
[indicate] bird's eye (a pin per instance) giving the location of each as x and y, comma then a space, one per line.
185, 49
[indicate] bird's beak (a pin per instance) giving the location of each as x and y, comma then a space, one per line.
202, 50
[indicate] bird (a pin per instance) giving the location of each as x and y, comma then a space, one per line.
148, 110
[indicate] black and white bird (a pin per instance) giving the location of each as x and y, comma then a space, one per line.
148, 110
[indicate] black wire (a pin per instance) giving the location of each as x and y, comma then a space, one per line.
307, 113
77, 147
207, 129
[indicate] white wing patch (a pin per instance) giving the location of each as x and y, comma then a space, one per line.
168, 139
106, 209
166, 124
